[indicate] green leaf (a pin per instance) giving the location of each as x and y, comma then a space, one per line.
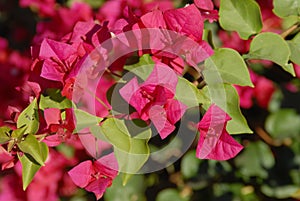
30, 166
227, 98
295, 49
279, 192
228, 64
131, 152
283, 123
48, 102
29, 118
241, 16
190, 164
250, 164
134, 189
85, 120
143, 68
170, 194
37, 150
29, 169
4, 134
271, 46
194, 97
18, 134
286, 8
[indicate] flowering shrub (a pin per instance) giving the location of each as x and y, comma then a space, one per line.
103, 91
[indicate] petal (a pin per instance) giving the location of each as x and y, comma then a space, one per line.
52, 116
204, 4
131, 92
129, 89
158, 117
213, 117
52, 140
81, 174
99, 186
154, 19
50, 48
164, 76
107, 165
175, 109
225, 149
186, 20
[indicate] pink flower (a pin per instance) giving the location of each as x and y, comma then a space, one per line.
44, 7
60, 130
261, 93
154, 99
215, 142
207, 9
185, 21
95, 176
6, 159
59, 59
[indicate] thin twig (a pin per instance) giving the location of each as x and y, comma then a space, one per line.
266, 137
290, 30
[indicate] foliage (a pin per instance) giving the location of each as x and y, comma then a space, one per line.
157, 100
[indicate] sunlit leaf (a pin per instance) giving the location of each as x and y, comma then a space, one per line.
85, 120
226, 97
241, 16
131, 152
4, 134
271, 46
37, 150
29, 118
229, 65
286, 8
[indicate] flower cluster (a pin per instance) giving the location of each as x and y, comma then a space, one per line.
60, 99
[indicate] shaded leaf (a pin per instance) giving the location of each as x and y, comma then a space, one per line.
170, 194
279, 192
133, 190
283, 123
190, 165
250, 164
143, 68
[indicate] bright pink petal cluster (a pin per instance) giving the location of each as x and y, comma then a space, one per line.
59, 130
154, 99
95, 176
215, 142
